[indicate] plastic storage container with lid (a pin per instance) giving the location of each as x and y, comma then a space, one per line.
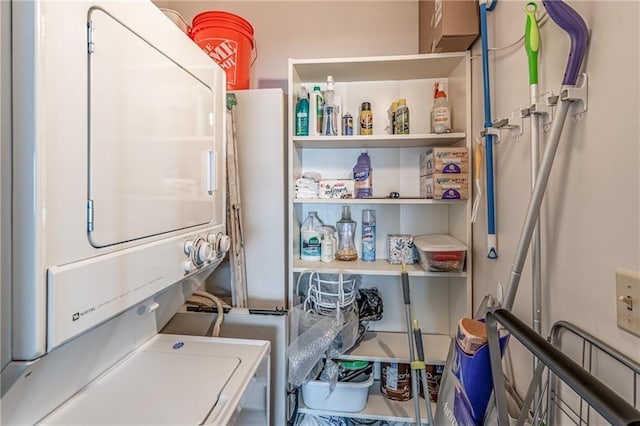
440, 252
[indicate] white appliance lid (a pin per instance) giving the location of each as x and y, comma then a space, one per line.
153, 387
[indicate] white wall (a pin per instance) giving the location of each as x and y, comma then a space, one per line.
5, 184
591, 213
316, 29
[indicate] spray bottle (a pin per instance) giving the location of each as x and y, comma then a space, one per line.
368, 235
440, 113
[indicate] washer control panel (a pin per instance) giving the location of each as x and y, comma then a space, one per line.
203, 250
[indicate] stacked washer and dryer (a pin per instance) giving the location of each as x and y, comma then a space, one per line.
117, 215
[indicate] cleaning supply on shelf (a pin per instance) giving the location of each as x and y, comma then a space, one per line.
302, 113
395, 381
366, 119
310, 245
440, 113
362, 174
391, 112
327, 243
368, 235
315, 112
401, 121
347, 125
346, 228
329, 127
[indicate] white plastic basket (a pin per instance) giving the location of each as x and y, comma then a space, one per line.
349, 397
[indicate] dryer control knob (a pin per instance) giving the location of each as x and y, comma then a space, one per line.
204, 253
223, 243
187, 266
188, 247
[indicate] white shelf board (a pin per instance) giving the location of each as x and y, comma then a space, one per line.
378, 267
391, 201
387, 346
380, 408
378, 68
379, 141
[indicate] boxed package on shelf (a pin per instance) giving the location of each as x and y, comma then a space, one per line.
336, 188
444, 160
400, 248
444, 186
447, 26
440, 252
349, 397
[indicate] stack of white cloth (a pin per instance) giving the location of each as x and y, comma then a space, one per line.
308, 186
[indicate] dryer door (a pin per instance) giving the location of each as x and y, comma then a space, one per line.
152, 150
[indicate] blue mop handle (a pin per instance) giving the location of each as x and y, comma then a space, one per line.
492, 243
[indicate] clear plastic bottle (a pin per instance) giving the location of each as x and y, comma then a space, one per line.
329, 127
310, 243
440, 113
302, 113
346, 228
368, 235
402, 118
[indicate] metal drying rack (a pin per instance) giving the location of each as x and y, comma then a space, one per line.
578, 365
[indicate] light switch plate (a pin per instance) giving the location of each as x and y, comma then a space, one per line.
628, 300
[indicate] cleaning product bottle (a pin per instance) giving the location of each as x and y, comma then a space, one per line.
302, 113
402, 118
316, 106
328, 244
362, 174
329, 127
368, 235
310, 245
440, 113
366, 119
346, 228
392, 117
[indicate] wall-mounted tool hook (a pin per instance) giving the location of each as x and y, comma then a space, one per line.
578, 96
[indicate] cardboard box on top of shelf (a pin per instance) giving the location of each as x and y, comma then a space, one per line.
447, 25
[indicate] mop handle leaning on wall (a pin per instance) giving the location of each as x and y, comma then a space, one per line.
419, 365
570, 21
407, 307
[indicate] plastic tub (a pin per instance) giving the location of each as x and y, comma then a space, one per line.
440, 252
349, 397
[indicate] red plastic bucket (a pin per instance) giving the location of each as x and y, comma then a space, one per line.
228, 40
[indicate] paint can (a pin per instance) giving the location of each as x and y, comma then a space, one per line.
395, 381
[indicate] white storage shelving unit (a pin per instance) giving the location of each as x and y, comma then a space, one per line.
438, 300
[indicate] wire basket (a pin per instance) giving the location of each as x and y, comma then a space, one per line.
324, 293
